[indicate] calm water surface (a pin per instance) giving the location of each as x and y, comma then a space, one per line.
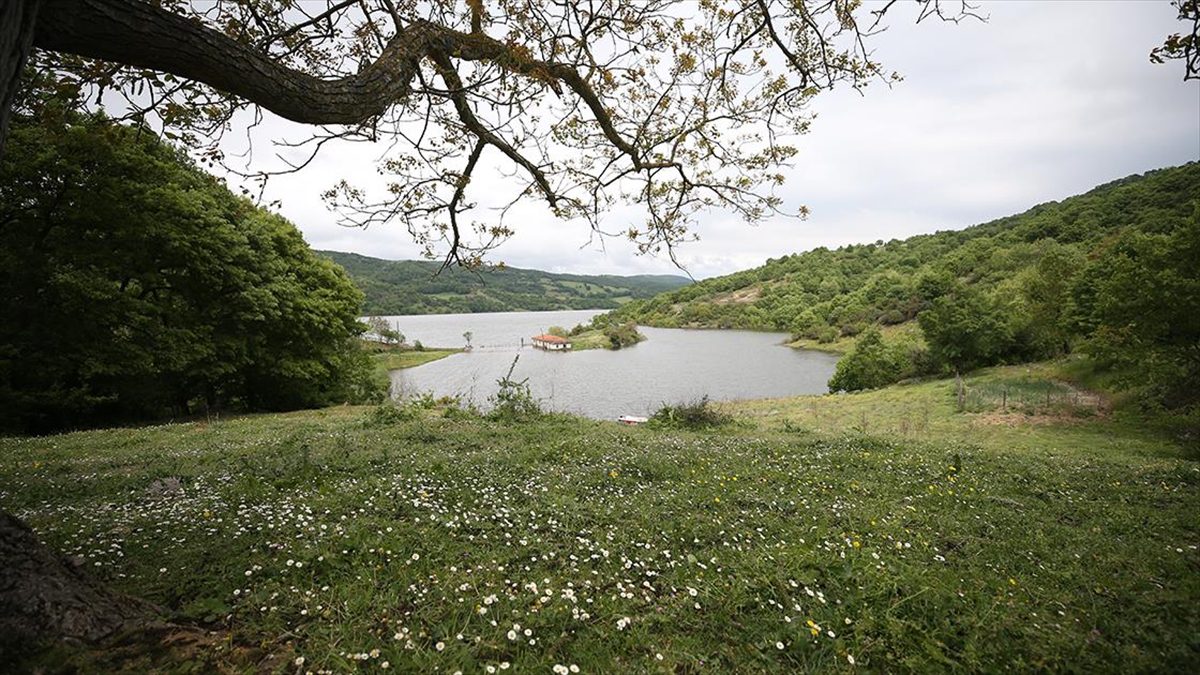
671, 366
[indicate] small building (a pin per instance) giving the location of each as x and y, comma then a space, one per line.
551, 343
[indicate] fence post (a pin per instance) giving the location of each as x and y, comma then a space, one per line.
962, 394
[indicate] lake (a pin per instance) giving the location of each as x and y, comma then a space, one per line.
671, 366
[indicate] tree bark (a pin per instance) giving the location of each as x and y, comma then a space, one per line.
17, 18
45, 598
138, 33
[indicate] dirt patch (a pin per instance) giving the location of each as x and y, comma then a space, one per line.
741, 296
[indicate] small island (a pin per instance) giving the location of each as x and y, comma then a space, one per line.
601, 333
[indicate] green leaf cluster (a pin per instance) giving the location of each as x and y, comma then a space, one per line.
136, 286
871, 364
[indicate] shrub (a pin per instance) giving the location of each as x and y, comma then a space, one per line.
389, 413
826, 334
513, 401
622, 335
698, 414
871, 364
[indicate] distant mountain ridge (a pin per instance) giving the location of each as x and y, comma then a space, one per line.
416, 287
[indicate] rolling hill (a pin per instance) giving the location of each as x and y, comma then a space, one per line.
416, 287
825, 294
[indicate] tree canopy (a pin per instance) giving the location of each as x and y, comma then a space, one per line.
134, 286
672, 105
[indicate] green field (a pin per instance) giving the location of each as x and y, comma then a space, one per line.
922, 539
411, 358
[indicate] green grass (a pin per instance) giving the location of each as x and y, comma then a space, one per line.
908, 331
411, 358
331, 534
591, 339
927, 411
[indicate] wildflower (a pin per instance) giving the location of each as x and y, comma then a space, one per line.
623, 623
850, 659
778, 645
560, 669
299, 661
440, 646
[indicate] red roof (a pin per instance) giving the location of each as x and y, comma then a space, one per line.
550, 338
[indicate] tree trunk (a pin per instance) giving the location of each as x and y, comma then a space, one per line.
45, 598
16, 40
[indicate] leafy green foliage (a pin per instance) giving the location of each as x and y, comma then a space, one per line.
871, 364
417, 287
134, 286
1141, 298
965, 329
513, 401
384, 331
696, 415
622, 334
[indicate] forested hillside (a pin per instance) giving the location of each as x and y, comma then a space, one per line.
416, 287
1113, 273
846, 289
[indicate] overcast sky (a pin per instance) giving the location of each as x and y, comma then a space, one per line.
1045, 100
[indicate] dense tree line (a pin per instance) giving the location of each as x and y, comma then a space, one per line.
136, 286
423, 287
1114, 273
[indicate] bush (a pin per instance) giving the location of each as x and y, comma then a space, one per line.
622, 335
389, 413
698, 414
513, 401
871, 364
826, 334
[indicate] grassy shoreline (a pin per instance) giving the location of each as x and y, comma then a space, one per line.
790, 540
411, 358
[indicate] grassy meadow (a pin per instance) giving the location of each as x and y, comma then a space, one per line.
432, 539
410, 358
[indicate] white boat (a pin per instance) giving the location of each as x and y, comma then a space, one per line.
632, 419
